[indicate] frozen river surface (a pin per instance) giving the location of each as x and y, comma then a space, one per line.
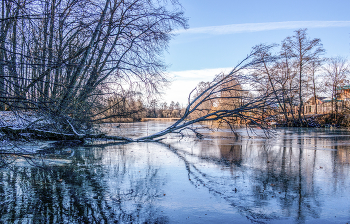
298, 176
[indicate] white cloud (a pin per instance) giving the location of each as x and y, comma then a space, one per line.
203, 74
185, 81
256, 27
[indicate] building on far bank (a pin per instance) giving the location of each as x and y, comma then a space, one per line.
320, 105
323, 105
344, 94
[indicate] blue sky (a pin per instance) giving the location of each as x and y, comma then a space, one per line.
222, 32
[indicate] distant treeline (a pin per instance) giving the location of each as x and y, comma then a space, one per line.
129, 110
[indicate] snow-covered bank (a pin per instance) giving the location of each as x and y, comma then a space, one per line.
19, 119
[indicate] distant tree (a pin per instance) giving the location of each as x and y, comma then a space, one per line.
153, 106
164, 106
268, 75
336, 76
304, 51
177, 106
172, 105
206, 106
121, 107
316, 86
231, 97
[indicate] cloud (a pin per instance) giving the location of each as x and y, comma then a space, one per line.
185, 81
203, 74
256, 27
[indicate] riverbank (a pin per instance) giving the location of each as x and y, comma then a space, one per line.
319, 121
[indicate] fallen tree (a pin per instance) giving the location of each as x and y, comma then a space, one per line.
213, 103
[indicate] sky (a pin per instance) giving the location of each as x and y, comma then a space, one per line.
222, 32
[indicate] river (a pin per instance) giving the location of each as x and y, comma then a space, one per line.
296, 176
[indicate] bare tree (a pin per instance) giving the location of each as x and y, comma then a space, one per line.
336, 76
315, 66
65, 57
205, 107
304, 51
269, 75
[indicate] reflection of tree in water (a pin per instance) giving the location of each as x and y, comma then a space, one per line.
287, 180
231, 154
223, 186
279, 185
81, 192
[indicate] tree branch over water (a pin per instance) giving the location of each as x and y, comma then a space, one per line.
228, 99
224, 100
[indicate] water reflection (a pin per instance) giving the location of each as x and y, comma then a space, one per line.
98, 186
300, 176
